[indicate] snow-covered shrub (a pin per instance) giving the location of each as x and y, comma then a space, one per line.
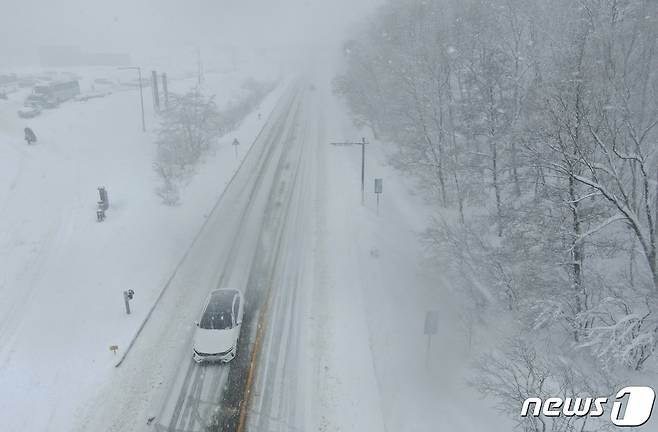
189, 128
168, 191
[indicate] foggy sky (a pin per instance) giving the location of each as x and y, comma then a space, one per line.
151, 30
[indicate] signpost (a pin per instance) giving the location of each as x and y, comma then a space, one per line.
362, 143
102, 205
379, 184
102, 194
236, 143
430, 329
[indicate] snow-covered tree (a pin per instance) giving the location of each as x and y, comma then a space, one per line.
537, 122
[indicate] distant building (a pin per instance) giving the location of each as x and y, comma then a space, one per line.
66, 56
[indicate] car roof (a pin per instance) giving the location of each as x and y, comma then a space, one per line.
219, 302
222, 299
233, 291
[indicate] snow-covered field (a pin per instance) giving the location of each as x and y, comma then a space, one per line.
62, 274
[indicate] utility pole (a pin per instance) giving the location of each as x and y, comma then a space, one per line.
363, 170
165, 90
156, 91
362, 143
141, 93
198, 65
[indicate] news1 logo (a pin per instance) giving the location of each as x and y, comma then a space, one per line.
634, 411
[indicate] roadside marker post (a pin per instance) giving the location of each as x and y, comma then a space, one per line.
236, 143
362, 143
430, 329
379, 185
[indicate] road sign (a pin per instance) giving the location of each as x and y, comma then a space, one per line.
431, 322
379, 184
431, 327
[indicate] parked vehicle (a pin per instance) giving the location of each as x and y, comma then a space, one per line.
41, 101
57, 92
29, 111
218, 330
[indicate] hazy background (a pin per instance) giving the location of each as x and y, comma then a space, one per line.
160, 32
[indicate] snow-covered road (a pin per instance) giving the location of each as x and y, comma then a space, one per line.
158, 377
343, 346
207, 394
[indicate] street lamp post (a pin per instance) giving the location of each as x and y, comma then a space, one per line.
362, 143
141, 94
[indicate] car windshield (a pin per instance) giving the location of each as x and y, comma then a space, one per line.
217, 315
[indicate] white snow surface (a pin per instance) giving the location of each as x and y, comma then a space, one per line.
361, 359
62, 273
